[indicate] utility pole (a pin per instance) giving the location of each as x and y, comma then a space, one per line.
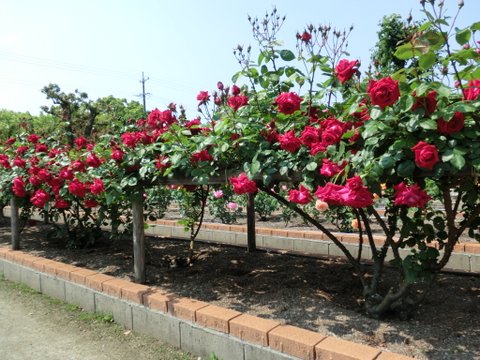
144, 94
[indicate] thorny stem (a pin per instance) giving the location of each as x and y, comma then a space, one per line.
357, 266
194, 233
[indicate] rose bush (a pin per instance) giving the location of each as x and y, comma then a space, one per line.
345, 147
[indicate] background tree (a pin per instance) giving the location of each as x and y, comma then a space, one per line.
393, 31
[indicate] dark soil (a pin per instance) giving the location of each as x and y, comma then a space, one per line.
319, 294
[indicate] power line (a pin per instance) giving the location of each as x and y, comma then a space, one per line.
143, 94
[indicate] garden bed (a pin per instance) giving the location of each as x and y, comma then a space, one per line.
319, 294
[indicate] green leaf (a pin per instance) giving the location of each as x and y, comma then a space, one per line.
475, 26
463, 36
311, 166
458, 160
375, 113
255, 167
426, 61
287, 55
406, 168
405, 52
428, 124
386, 161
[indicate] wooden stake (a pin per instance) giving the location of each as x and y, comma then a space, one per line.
138, 240
15, 224
251, 241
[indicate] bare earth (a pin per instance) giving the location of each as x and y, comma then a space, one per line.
319, 294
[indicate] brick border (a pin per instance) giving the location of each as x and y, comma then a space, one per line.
189, 324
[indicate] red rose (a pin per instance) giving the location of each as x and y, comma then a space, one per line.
454, 125
309, 136
473, 90
97, 187
428, 103
305, 37
162, 163
93, 161
355, 194
35, 181
330, 168
383, 92
202, 155
81, 142
117, 155
33, 138
78, 165
43, 175
159, 119
289, 142
18, 187
301, 196
329, 193
89, 203
411, 196
288, 103
426, 155
22, 150
237, 101
243, 185
345, 69
77, 188
235, 90
203, 97
19, 162
40, 198
41, 148
66, 174
61, 203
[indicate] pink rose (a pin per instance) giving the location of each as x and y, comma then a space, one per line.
411, 196
345, 69
218, 194
383, 92
203, 97
232, 206
288, 103
426, 155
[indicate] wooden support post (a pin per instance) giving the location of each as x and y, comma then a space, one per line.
138, 240
15, 224
251, 241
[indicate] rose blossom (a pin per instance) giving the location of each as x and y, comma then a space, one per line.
237, 101
472, 92
345, 69
77, 188
426, 155
97, 187
66, 174
289, 142
288, 103
329, 193
383, 92
330, 168
355, 194
162, 163
117, 155
203, 97
33, 138
309, 136
93, 161
41, 148
243, 185
232, 206
40, 198
321, 206
160, 119
90, 203
19, 162
411, 196
235, 90
454, 125
217, 194
18, 187
428, 103
81, 142
202, 155
61, 203
301, 196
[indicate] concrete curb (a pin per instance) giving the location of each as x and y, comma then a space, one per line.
188, 324
465, 258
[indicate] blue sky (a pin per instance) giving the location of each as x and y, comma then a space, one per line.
101, 47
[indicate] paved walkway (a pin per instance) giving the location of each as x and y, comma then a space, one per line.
35, 328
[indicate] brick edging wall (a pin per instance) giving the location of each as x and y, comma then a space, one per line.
351, 238
188, 324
